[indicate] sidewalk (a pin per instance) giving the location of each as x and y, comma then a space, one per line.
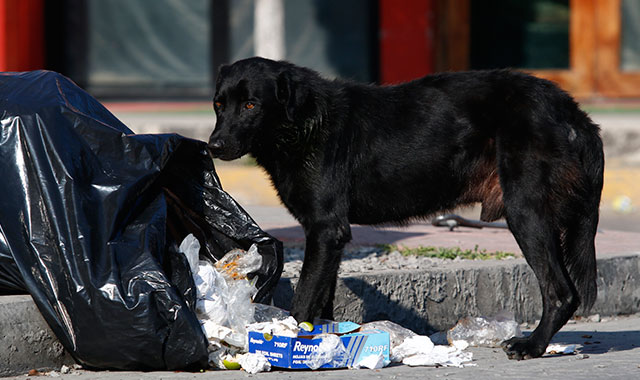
424, 300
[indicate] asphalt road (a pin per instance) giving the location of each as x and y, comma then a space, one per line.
610, 349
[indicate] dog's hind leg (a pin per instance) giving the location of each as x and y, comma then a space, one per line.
316, 287
534, 197
580, 221
540, 243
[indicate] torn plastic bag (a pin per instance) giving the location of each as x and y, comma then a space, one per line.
90, 222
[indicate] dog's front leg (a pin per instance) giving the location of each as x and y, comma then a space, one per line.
316, 287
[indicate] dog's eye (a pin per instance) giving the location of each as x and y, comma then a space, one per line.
217, 105
249, 105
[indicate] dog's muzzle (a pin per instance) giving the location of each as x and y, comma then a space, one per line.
216, 147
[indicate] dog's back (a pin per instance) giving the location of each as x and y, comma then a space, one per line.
433, 143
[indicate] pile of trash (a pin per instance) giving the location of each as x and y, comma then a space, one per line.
227, 314
409, 348
101, 213
224, 305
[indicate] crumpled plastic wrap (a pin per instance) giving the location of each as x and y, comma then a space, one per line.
330, 350
397, 335
268, 313
92, 215
484, 332
224, 294
225, 309
237, 263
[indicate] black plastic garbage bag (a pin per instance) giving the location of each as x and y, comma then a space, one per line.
90, 219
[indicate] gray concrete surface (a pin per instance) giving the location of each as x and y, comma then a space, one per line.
620, 135
193, 125
610, 349
25, 338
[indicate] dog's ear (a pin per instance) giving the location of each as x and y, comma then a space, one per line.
285, 94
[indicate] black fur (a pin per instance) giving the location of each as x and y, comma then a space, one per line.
340, 152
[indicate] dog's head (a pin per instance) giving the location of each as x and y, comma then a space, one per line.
253, 97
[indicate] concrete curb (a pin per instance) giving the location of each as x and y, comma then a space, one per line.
424, 301
26, 341
435, 299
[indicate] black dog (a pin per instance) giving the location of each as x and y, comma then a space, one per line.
341, 152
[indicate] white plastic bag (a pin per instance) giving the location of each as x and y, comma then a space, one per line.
190, 246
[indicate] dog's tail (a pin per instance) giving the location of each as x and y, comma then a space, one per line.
578, 236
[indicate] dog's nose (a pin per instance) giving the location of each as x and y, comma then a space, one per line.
215, 147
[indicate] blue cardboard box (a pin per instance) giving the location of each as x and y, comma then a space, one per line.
292, 352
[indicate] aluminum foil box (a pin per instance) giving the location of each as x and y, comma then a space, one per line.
292, 352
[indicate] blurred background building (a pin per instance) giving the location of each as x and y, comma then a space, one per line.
123, 49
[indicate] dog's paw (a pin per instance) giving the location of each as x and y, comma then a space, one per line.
523, 348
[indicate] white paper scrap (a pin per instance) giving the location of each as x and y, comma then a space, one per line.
445, 356
413, 345
561, 349
254, 363
286, 327
371, 362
